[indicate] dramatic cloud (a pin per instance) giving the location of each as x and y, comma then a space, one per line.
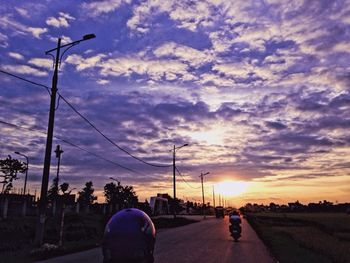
96, 8
260, 90
61, 21
18, 28
16, 55
186, 54
41, 62
3, 40
24, 69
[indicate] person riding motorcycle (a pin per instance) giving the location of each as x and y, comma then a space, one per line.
235, 224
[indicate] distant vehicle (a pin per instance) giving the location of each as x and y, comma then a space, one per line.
219, 212
129, 237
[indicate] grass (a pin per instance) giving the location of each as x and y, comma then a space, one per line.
304, 237
81, 232
17, 234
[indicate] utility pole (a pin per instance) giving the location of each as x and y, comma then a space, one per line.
213, 196
174, 177
40, 226
201, 176
174, 183
58, 152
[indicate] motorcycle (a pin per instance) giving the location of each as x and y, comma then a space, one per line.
235, 231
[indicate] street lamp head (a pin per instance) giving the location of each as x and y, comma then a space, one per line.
114, 179
89, 36
17, 153
186, 144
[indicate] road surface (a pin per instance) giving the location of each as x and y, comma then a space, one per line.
207, 242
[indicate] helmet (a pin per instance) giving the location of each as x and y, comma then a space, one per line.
129, 237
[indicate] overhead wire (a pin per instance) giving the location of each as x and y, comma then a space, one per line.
183, 179
89, 122
26, 80
71, 144
108, 139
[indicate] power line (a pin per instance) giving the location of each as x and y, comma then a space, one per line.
86, 120
71, 144
183, 179
108, 139
97, 155
26, 80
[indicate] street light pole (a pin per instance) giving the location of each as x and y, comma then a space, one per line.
116, 206
201, 176
40, 227
39, 233
114, 180
26, 176
174, 177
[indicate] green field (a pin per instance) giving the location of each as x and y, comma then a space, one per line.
304, 237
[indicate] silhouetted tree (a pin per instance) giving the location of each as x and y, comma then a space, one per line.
129, 196
174, 204
53, 192
123, 196
145, 207
112, 193
86, 196
188, 206
9, 168
64, 188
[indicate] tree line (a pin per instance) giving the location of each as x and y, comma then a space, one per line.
115, 194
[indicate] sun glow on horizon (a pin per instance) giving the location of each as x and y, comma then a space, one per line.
231, 188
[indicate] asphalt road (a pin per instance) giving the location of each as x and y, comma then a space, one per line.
208, 241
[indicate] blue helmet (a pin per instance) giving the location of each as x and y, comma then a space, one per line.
129, 237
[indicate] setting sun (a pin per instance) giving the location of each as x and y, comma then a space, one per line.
231, 188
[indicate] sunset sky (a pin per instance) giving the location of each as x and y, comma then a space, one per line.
260, 90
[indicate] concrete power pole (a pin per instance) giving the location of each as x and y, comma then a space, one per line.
58, 152
201, 176
174, 177
40, 227
213, 196
174, 183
